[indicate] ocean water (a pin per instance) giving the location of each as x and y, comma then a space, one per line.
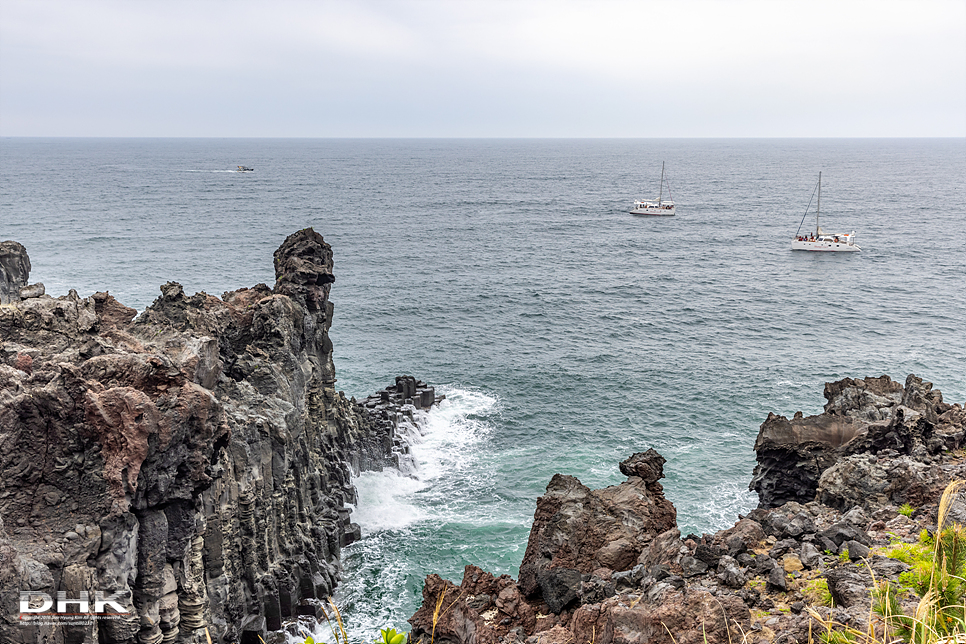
566, 333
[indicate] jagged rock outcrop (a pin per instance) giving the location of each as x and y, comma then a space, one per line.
14, 271
874, 416
582, 545
577, 530
610, 566
194, 462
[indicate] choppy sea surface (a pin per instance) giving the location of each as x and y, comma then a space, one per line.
566, 333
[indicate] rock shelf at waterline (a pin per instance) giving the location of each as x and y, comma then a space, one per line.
838, 492
192, 464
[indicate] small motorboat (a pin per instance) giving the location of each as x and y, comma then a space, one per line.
244, 168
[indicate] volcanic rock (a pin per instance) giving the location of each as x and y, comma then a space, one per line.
195, 461
647, 465
14, 271
876, 444
582, 529
866, 417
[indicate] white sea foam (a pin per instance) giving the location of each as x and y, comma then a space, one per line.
392, 503
440, 441
724, 502
385, 501
450, 430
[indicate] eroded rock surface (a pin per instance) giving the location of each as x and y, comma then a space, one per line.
579, 529
14, 271
195, 461
876, 417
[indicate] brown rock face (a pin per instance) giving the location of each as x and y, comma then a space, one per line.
581, 529
480, 610
194, 461
693, 618
580, 539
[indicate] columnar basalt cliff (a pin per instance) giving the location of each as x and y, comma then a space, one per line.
193, 463
610, 567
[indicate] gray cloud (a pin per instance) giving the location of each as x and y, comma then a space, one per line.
683, 68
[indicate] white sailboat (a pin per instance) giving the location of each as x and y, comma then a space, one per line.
820, 240
659, 208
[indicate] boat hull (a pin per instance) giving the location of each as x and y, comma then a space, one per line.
825, 246
653, 212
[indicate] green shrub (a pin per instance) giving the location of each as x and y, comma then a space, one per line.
390, 636
938, 567
937, 574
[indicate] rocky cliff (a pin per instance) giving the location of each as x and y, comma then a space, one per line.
610, 566
193, 463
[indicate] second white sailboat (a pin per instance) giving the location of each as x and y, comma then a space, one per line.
659, 208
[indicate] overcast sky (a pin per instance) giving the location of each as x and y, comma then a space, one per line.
489, 68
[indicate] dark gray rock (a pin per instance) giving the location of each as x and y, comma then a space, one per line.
736, 545
750, 596
631, 578
865, 479
776, 580
729, 573
783, 546
692, 566
764, 564
708, 554
14, 271
810, 556
595, 590
675, 581
199, 456
825, 544
857, 516
745, 560
839, 457
856, 550
798, 525
849, 585
839, 533
647, 465
793, 454
560, 587
888, 568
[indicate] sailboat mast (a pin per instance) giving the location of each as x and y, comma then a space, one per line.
818, 208
660, 195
